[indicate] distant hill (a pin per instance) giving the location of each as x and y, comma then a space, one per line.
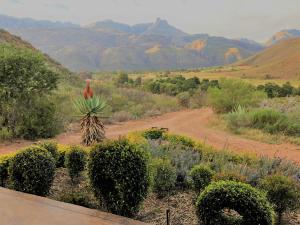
282, 35
111, 46
6, 37
8, 22
281, 60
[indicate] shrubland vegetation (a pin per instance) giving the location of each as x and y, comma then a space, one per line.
26, 109
123, 172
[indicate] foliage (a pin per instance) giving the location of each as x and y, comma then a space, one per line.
154, 133
274, 90
75, 161
4, 165
32, 171
39, 120
91, 108
179, 139
164, 177
119, 175
229, 176
233, 93
201, 176
62, 150
172, 85
283, 192
269, 120
52, 148
25, 82
184, 99
247, 201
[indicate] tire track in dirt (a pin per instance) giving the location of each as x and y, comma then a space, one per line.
193, 123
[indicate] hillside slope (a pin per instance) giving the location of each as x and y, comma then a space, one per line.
278, 61
282, 35
6, 37
112, 46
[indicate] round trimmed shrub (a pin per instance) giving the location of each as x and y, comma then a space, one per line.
32, 171
202, 176
119, 176
75, 161
52, 148
164, 177
248, 202
283, 192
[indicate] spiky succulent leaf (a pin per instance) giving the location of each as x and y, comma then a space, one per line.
93, 106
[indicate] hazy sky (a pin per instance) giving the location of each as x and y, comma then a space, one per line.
254, 19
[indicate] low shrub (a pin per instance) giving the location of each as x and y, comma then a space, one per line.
76, 198
62, 150
119, 176
201, 176
51, 147
232, 93
4, 165
32, 171
75, 161
283, 192
179, 139
154, 133
164, 177
248, 202
229, 177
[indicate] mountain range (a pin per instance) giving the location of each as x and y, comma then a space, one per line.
112, 46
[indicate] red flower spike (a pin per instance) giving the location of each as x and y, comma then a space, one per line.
88, 92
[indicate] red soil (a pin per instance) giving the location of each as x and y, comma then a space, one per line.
193, 123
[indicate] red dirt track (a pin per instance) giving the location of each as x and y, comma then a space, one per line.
193, 123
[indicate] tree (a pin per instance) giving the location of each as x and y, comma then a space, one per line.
24, 78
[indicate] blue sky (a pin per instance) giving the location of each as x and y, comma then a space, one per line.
255, 19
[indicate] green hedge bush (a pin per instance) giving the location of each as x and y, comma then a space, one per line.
4, 164
75, 161
119, 175
283, 192
202, 176
164, 177
251, 204
32, 171
52, 148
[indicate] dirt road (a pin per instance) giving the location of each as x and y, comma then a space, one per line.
193, 123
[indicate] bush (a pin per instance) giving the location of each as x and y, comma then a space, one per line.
119, 175
283, 193
62, 150
75, 161
32, 171
201, 176
179, 139
251, 205
164, 177
154, 133
229, 177
52, 148
39, 120
4, 164
233, 93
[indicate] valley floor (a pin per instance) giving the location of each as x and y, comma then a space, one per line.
192, 123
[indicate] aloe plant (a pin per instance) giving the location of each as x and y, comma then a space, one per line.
91, 110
